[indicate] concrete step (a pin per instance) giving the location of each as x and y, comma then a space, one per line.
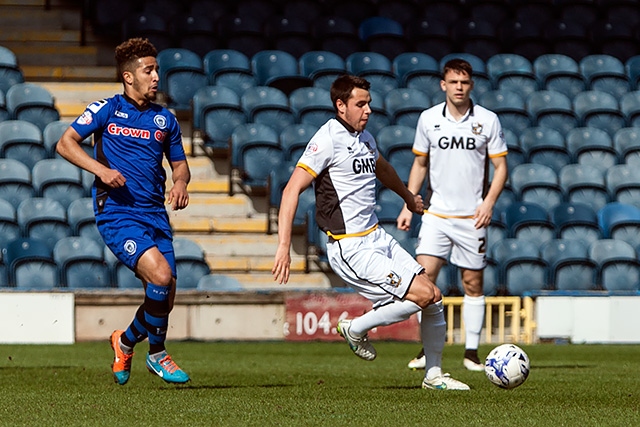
225, 263
36, 53
297, 281
70, 73
32, 17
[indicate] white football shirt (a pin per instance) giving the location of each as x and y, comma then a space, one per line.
458, 153
343, 164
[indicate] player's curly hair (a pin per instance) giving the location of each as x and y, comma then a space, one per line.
342, 87
130, 51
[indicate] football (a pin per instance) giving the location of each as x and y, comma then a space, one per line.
507, 366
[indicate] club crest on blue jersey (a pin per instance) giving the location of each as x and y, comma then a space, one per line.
160, 121
130, 247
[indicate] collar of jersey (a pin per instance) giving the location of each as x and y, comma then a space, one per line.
135, 104
346, 125
447, 115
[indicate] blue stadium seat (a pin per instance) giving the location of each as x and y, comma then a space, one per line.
52, 133
150, 26
559, 73
181, 75
605, 73
509, 71
615, 37
255, 152
22, 140
10, 72
312, 105
278, 180
510, 108
520, 265
195, 32
401, 11
191, 264
599, 110
568, 37
323, 67
623, 184
545, 146
632, 69
401, 158
294, 140
383, 35
219, 283
81, 263
430, 33
417, 70
630, 107
15, 181
618, 265
528, 221
229, 68
536, 183
626, 142
4, 112
477, 37
516, 154
243, 33
121, 276
278, 69
216, 113
289, 34
592, 146
82, 219
43, 219
378, 118
523, 36
576, 221
405, 105
620, 221
269, 106
395, 137
570, 268
374, 67
308, 10
30, 264
584, 184
57, 179
9, 228
553, 110
337, 34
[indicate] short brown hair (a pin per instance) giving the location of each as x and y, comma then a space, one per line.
129, 51
459, 66
342, 87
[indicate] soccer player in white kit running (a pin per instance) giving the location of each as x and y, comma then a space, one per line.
454, 142
342, 161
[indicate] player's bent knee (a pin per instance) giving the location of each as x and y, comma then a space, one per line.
423, 292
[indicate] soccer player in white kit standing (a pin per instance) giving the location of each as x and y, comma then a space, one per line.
342, 161
454, 142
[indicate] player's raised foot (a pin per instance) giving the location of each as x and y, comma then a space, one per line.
418, 362
472, 361
163, 366
359, 345
443, 382
121, 366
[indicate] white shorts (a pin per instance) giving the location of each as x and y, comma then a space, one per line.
375, 265
458, 237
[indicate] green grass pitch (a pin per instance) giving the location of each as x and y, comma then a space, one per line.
314, 384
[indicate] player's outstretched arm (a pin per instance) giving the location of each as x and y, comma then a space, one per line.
178, 195
69, 147
416, 178
299, 181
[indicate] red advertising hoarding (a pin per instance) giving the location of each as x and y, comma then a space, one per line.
314, 316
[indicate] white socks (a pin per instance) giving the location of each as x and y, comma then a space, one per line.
388, 314
433, 329
473, 309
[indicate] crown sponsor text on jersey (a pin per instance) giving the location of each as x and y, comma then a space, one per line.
114, 129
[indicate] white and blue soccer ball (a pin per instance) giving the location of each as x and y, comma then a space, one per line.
507, 366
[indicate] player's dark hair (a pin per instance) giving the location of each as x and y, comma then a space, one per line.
458, 65
342, 87
128, 52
